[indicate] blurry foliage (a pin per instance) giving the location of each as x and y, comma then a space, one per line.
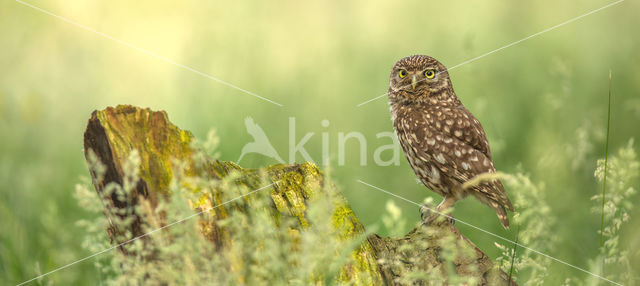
537, 226
541, 101
614, 261
536, 230
262, 250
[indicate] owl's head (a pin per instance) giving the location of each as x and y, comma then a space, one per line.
418, 78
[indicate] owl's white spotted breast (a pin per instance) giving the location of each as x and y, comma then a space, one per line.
444, 146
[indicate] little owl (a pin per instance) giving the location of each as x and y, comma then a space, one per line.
443, 142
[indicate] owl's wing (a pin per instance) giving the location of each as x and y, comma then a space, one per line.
459, 162
459, 123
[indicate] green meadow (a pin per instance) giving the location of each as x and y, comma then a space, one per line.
302, 70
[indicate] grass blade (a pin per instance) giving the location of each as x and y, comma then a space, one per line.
604, 181
513, 255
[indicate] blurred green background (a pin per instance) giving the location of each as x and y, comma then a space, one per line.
542, 102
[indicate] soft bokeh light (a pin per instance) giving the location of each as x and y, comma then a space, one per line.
542, 102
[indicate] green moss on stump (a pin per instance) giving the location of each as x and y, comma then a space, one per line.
114, 133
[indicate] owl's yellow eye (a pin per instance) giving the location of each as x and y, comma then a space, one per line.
402, 73
429, 73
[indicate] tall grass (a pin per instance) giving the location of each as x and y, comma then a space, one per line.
621, 171
606, 158
536, 229
513, 255
533, 214
262, 247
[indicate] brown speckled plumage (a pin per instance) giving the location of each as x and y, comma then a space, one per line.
443, 142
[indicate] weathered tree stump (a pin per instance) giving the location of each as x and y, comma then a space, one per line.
112, 134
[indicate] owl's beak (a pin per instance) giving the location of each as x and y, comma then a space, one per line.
414, 81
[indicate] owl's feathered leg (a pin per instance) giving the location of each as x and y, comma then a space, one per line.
428, 216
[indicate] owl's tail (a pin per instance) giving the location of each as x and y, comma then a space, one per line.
497, 201
502, 215
501, 203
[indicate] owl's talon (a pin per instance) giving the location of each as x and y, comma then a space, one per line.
451, 219
425, 213
428, 215
436, 217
